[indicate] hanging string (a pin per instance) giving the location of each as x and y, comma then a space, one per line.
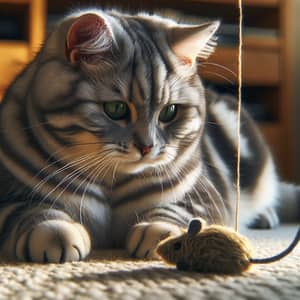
239, 104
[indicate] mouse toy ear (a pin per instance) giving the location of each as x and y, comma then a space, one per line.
194, 227
88, 39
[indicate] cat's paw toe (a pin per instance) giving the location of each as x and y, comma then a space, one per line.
54, 241
144, 237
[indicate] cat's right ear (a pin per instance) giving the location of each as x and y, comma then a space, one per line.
88, 39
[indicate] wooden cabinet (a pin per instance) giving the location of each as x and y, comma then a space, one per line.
267, 65
13, 57
22, 33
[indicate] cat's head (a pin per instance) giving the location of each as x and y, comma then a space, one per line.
133, 88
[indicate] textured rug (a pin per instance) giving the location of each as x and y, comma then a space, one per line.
110, 275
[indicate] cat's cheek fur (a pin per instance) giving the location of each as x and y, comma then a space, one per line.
144, 237
54, 241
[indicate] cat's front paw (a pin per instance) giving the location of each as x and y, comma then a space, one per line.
144, 237
54, 241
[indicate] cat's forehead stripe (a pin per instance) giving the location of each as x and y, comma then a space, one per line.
145, 62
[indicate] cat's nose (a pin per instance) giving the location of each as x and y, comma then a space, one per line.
144, 149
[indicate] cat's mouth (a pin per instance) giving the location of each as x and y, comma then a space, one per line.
134, 162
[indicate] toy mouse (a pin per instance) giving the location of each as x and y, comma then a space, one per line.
214, 249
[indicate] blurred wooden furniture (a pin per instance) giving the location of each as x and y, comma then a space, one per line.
16, 53
267, 65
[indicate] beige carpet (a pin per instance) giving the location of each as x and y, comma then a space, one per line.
110, 275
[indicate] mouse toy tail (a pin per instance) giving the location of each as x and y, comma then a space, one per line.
284, 253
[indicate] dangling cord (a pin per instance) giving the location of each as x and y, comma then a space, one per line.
239, 104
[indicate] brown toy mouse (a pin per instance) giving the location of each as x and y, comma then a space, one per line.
213, 249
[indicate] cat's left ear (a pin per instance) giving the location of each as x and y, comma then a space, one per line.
190, 42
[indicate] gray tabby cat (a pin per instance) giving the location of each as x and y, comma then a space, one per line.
109, 139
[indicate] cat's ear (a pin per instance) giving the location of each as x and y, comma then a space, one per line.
88, 38
190, 42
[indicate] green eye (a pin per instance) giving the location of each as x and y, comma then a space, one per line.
116, 110
168, 113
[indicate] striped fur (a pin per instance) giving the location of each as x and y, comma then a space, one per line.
72, 179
